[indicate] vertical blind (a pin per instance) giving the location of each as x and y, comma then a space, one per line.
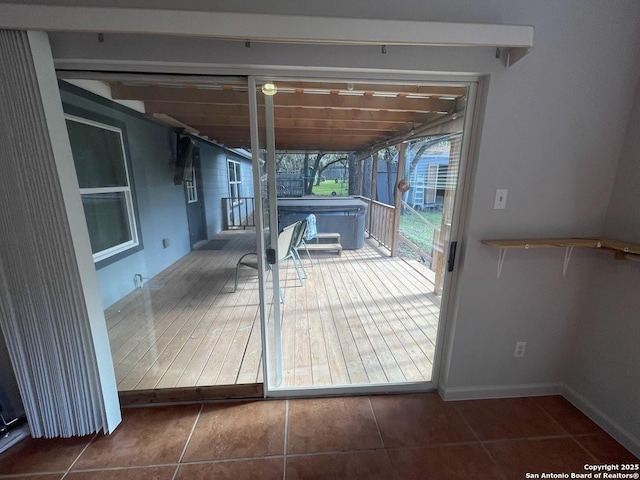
43, 314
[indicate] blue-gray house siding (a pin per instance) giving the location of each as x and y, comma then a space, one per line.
418, 179
161, 205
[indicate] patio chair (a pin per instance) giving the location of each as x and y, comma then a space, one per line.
309, 233
289, 245
285, 247
298, 241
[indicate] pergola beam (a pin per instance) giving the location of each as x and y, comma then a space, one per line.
300, 123
304, 100
183, 109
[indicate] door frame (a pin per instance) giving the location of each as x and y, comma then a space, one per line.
478, 86
199, 191
468, 152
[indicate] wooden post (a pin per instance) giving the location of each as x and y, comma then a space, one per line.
374, 188
397, 199
374, 176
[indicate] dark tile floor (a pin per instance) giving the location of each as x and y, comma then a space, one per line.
381, 437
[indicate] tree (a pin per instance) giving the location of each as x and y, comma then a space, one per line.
428, 143
367, 171
310, 176
388, 155
309, 165
330, 162
354, 173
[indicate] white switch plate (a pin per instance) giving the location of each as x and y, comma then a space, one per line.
501, 199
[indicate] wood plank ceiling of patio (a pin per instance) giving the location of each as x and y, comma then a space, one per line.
309, 116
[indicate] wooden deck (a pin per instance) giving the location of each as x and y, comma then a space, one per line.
360, 318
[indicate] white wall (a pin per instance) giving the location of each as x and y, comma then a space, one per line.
605, 369
552, 134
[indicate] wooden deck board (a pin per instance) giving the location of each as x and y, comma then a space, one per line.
359, 318
350, 354
402, 326
338, 370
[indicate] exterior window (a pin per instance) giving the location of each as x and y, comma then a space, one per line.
235, 182
105, 186
431, 184
192, 191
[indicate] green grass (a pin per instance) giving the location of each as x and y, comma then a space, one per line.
419, 232
411, 226
325, 188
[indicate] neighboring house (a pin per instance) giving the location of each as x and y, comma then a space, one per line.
147, 221
429, 180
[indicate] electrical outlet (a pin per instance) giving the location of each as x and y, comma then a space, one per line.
520, 348
500, 202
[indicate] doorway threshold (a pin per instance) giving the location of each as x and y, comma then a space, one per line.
190, 394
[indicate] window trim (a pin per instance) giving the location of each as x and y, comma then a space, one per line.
191, 187
238, 182
113, 254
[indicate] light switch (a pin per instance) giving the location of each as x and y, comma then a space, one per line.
501, 199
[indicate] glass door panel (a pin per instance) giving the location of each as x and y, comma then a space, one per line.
263, 151
378, 165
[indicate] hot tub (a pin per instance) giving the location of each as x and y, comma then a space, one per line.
343, 215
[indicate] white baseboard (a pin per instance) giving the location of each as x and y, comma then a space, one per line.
500, 391
605, 422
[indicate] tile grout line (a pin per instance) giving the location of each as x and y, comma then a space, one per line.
186, 444
361, 450
286, 439
375, 420
482, 445
124, 467
573, 437
79, 455
520, 439
384, 446
20, 476
217, 460
540, 407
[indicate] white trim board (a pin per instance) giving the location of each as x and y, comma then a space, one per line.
500, 391
514, 41
613, 428
349, 390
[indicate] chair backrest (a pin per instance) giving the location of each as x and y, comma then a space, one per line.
285, 240
300, 233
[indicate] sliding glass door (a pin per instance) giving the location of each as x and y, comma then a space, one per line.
266, 219
377, 167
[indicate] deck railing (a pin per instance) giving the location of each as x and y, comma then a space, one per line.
436, 248
238, 212
379, 223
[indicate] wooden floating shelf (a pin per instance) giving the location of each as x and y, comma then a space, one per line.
621, 250
605, 243
544, 243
